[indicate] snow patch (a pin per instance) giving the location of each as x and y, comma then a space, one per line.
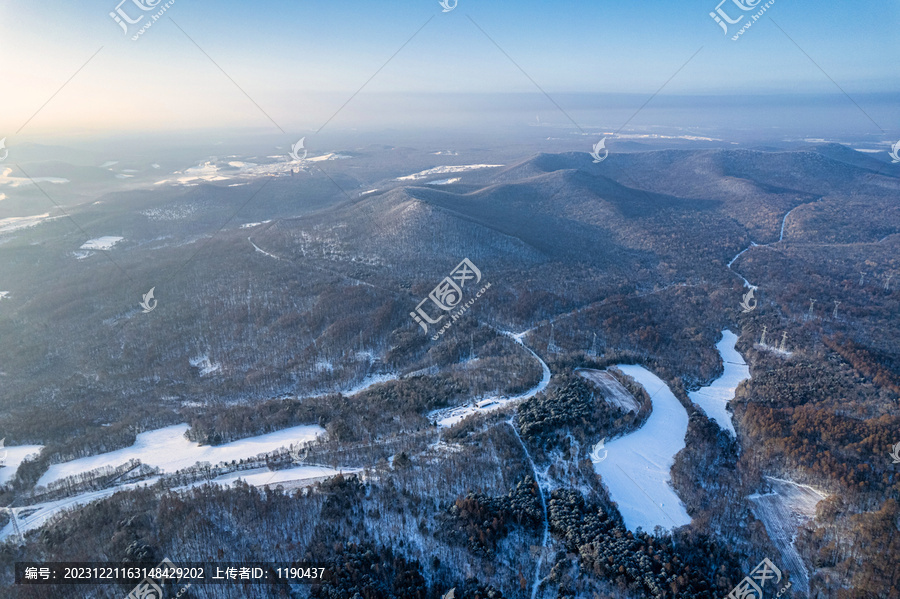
443, 170
13, 458
101, 243
250, 225
204, 364
613, 391
328, 157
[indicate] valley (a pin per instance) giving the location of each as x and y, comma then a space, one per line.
632, 439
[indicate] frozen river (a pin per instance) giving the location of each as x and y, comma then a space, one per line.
636, 467
714, 398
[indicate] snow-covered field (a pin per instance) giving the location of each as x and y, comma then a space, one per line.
782, 511
13, 457
169, 450
101, 243
445, 181
714, 398
614, 392
636, 469
444, 170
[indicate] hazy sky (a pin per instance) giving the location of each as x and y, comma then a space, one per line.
300, 60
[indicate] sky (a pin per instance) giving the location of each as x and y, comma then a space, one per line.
290, 66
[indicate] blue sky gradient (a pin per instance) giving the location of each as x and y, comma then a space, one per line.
300, 61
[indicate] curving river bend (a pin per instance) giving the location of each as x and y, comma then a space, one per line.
636, 469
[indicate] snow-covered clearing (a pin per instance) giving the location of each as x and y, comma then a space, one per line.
613, 391
714, 398
447, 418
205, 365
636, 470
445, 170
13, 457
169, 450
445, 181
101, 243
783, 511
